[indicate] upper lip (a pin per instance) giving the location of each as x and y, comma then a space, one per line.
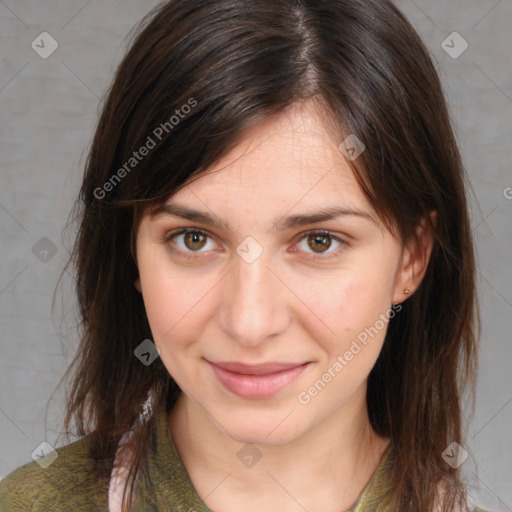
256, 369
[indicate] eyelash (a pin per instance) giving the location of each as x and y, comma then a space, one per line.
193, 255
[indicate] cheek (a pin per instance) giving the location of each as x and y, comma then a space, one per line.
348, 303
170, 305
177, 307
349, 307
174, 316
355, 319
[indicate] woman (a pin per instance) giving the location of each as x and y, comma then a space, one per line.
275, 272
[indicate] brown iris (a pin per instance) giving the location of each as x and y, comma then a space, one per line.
195, 241
319, 242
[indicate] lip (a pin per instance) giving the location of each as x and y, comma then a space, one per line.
256, 381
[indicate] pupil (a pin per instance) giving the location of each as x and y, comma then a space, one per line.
320, 242
195, 241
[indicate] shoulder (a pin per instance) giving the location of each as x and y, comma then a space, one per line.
470, 504
477, 509
67, 483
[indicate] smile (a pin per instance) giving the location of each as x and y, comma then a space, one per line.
256, 381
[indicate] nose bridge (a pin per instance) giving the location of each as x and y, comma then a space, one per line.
253, 307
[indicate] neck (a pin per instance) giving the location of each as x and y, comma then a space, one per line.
329, 465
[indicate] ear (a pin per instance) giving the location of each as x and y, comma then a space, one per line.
414, 262
137, 284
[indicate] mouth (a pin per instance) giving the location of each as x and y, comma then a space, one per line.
256, 381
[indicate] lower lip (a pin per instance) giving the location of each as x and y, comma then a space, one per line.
256, 386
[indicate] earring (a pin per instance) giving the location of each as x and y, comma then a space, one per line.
407, 291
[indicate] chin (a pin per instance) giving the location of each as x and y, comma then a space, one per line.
254, 429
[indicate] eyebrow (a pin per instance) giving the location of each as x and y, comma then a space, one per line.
283, 223
207, 218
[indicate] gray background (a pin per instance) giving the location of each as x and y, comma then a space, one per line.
49, 108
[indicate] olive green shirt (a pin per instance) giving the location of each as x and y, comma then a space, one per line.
69, 484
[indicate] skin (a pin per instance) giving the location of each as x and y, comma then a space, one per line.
294, 303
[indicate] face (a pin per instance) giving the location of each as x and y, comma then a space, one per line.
268, 283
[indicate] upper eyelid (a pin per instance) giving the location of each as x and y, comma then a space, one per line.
182, 231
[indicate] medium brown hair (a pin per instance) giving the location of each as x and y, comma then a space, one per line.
242, 61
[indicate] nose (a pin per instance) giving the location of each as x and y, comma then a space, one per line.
254, 306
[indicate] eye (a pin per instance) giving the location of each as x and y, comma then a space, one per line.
186, 242
320, 242
191, 240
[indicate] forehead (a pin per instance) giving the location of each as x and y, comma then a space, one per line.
289, 159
